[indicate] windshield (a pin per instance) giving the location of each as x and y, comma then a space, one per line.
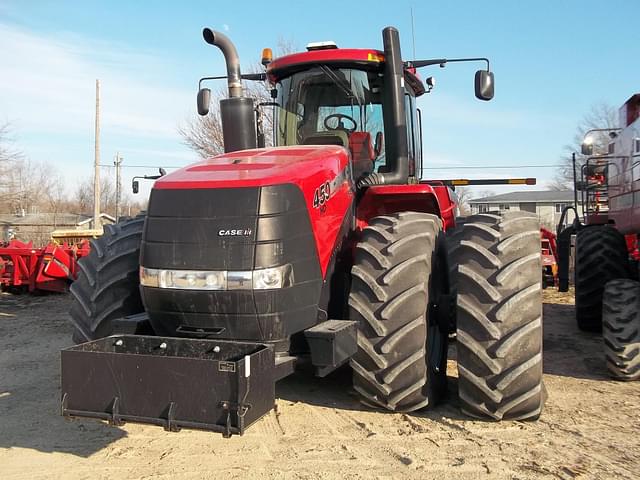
325, 102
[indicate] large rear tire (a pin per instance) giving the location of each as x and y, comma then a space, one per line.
621, 328
499, 340
108, 284
399, 276
601, 255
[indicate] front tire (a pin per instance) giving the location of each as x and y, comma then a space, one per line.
499, 336
108, 284
621, 328
399, 273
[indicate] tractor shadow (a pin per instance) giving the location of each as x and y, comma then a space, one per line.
336, 391
32, 333
569, 352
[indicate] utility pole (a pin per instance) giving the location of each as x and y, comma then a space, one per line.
117, 161
97, 224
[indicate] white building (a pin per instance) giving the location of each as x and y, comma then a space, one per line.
548, 205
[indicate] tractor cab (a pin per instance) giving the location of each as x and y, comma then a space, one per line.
332, 104
337, 96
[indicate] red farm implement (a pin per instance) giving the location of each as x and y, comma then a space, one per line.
50, 268
549, 257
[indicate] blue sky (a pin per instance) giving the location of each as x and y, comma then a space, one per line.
552, 61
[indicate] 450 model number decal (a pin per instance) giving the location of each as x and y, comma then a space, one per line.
321, 195
324, 192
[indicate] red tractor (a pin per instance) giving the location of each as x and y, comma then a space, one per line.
327, 248
606, 261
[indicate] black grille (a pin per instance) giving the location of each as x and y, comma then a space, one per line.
182, 231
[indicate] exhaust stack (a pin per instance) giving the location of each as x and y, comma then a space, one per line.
231, 58
395, 120
237, 113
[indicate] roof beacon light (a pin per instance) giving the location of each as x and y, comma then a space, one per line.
267, 56
328, 45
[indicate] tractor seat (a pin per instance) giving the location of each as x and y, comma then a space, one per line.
361, 147
336, 137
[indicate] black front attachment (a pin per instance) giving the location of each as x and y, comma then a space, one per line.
217, 385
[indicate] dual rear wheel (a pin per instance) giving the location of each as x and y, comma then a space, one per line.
400, 297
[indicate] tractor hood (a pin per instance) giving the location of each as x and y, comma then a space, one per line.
240, 213
261, 167
220, 185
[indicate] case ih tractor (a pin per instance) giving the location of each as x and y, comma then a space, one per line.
606, 261
327, 249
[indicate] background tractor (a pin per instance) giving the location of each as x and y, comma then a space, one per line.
328, 247
606, 258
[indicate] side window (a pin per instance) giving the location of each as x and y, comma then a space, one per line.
418, 143
408, 106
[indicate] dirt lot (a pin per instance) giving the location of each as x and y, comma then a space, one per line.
590, 428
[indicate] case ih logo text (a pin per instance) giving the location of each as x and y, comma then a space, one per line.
235, 232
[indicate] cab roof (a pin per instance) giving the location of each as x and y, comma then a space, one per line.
348, 57
358, 57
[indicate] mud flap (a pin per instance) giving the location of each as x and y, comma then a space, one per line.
216, 385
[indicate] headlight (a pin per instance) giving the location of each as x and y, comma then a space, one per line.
183, 279
277, 277
263, 279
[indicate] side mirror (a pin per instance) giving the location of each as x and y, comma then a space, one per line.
484, 84
135, 186
204, 99
431, 83
587, 149
162, 171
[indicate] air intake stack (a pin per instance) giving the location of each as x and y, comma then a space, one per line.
395, 120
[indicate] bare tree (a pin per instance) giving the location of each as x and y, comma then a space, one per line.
464, 195
204, 134
600, 115
82, 199
558, 185
10, 158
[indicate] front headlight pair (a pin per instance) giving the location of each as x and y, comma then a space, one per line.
262, 279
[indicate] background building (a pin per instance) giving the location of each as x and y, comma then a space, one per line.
548, 205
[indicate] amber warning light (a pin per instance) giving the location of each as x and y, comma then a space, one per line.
267, 56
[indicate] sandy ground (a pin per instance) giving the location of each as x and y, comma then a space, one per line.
590, 428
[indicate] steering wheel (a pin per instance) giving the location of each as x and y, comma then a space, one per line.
340, 117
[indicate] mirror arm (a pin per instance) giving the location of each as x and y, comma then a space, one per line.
257, 77
151, 177
443, 61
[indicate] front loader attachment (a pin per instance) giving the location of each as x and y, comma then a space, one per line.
217, 385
